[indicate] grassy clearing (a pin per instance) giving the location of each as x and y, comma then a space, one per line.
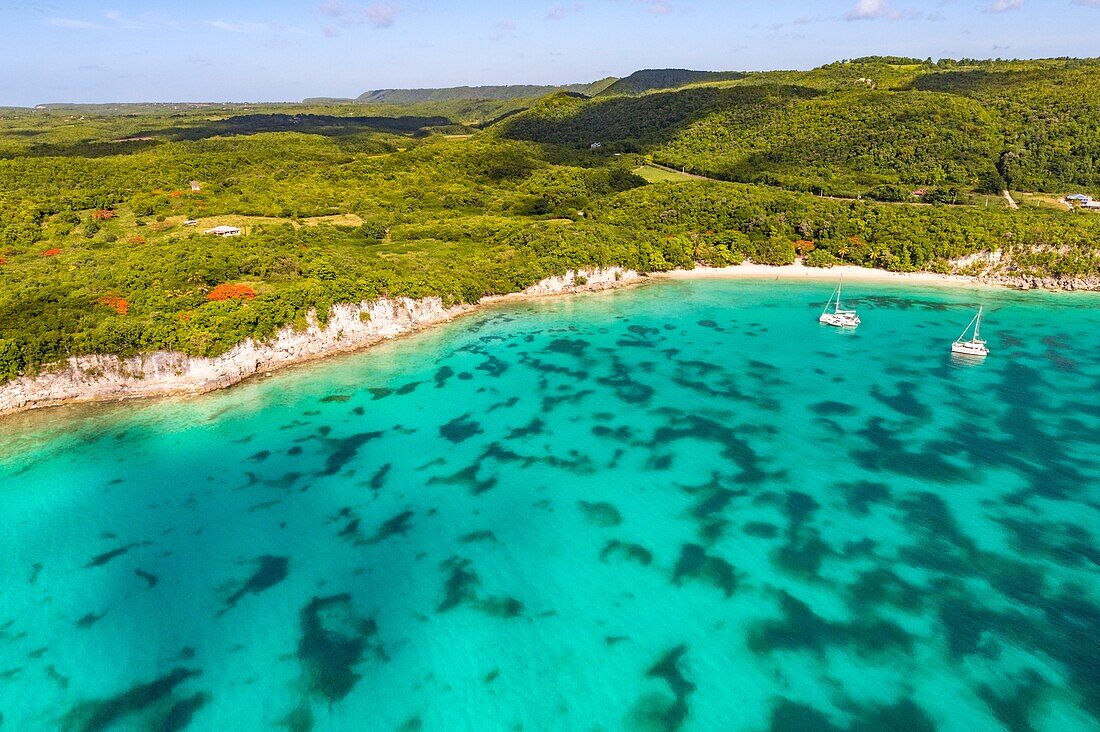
246, 222
654, 174
1041, 200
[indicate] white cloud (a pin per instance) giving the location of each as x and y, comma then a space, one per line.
1001, 6
658, 7
334, 9
224, 25
117, 19
558, 12
872, 10
250, 27
377, 15
73, 23
382, 15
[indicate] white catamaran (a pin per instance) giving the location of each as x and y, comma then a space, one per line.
839, 317
975, 346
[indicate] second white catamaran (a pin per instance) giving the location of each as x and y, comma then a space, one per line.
838, 317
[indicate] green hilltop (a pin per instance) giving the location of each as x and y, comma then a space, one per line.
865, 127
653, 79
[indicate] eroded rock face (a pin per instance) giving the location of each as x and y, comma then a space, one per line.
99, 377
1024, 282
350, 327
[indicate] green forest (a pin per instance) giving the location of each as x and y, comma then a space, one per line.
346, 202
870, 127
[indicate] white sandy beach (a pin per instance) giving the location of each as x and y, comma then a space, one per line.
799, 271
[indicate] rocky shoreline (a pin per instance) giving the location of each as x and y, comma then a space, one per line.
351, 327
1022, 282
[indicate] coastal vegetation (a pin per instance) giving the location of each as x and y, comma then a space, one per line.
98, 255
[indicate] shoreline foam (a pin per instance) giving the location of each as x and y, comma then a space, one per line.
354, 327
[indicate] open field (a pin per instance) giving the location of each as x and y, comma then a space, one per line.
1041, 200
654, 174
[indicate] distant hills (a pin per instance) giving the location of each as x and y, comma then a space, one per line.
639, 82
516, 91
646, 80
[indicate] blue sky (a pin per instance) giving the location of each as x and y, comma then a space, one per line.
284, 50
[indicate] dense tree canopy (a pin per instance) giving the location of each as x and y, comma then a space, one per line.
857, 128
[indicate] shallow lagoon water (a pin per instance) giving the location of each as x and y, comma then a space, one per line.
682, 506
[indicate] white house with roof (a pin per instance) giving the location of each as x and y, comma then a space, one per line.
223, 230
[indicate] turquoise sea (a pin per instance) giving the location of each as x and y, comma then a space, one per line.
678, 506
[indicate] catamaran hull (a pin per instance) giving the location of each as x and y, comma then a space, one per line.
969, 349
838, 321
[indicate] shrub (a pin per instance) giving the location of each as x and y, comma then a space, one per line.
821, 258
119, 304
231, 292
774, 251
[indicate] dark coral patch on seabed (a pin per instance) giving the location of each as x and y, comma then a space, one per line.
460, 429
600, 513
800, 629
344, 451
695, 563
154, 702
333, 642
399, 524
626, 550
462, 588
106, 557
658, 711
270, 571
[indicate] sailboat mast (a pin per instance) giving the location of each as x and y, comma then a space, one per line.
978, 324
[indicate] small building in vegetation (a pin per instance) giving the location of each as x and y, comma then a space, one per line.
223, 231
1078, 198
196, 186
191, 222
